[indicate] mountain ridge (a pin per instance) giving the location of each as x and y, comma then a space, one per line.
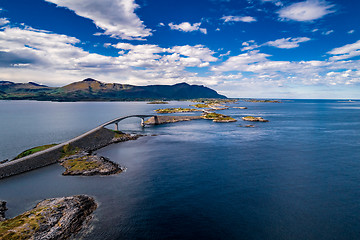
93, 90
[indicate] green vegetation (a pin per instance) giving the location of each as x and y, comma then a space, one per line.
23, 226
79, 164
200, 105
216, 117
118, 134
254, 119
250, 118
34, 150
176, 110
158, 102
68, 150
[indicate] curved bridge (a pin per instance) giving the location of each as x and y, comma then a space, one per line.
117, 120
91, 140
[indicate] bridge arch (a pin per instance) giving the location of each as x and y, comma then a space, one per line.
117, 120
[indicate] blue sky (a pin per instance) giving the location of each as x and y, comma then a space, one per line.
241, 48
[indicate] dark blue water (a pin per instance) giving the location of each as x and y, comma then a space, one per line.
295, 177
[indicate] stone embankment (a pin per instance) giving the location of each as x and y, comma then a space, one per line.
156, 120
55, 218
90, 141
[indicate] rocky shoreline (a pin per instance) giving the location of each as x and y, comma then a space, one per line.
2, 210
55, 218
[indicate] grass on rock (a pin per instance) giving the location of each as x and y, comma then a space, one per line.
34, 150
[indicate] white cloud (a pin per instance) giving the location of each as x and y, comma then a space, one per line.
315, 30
345, 52
308, 10
249, 45
116, 17
287, 42
225, 54
346, 49
203, 30
241, 62
351, 31
247, 19
4, 21
188, 27
276, 2
198, 51
161, 24
259, 68
328, 32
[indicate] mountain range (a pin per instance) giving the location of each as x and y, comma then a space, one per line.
93, 90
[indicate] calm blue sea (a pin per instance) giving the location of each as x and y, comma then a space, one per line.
296, 177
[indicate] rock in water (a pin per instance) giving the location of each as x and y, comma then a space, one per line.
55, 218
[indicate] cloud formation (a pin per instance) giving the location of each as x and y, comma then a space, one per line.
345, 52
262, 69
308, 10
287, 42
30, 52
3, 21
247, 19
116, 17
188, 27
276, 2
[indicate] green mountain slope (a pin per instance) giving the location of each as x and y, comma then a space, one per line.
93, 90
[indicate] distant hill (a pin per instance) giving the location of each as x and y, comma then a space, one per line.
93, 90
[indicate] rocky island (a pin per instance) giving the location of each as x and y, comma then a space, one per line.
85, 164
254, 119
157, 102
55, 218
216, 117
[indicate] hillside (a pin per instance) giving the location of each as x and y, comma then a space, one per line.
93, 90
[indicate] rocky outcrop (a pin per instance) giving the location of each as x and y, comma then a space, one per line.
254, 119
2, 210
218, 107
55, 218
219, 118
123, 137
88, 165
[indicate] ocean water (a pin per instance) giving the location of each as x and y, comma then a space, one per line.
295, 177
